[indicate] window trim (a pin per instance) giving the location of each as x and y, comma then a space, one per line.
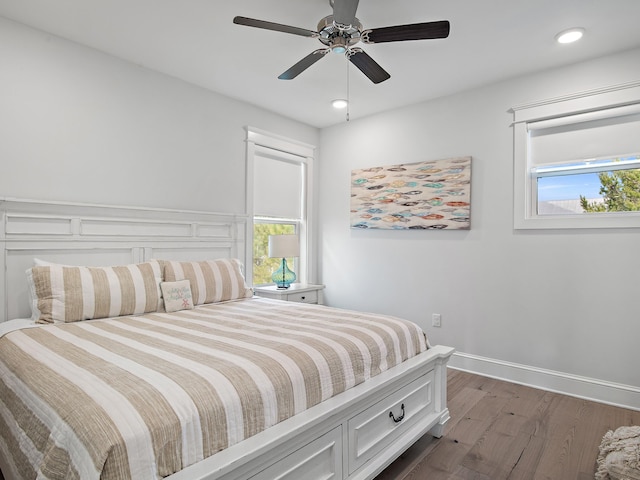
574, 108
304, 153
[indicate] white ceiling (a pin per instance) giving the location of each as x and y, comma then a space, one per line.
196, 40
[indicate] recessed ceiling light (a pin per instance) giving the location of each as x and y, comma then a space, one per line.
570, 36
339, 103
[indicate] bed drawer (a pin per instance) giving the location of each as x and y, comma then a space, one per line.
375, 428
319, 460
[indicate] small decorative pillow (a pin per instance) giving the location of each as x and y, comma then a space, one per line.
63, 293
177, 295
211, 280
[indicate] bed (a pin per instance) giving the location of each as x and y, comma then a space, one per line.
215, 384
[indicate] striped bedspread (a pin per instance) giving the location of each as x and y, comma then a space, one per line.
142, 397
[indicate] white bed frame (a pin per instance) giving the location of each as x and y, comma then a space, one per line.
353, 436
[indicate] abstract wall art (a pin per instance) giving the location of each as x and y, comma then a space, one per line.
430, 195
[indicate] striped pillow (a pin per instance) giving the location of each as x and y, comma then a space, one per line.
63, 293
211, 280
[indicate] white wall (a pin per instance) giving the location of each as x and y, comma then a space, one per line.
79, 125
557, 301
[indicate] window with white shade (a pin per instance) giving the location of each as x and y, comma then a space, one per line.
277, 184
577, 161
279, 173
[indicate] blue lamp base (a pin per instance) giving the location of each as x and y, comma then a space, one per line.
283, 277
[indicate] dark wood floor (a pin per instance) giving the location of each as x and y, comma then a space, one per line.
499, 430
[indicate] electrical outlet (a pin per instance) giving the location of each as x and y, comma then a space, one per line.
436, 320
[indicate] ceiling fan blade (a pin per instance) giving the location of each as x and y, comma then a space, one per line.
400, 33
251, 22
367, 65
303, 64
344, 11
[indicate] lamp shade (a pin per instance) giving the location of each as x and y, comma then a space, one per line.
284, 246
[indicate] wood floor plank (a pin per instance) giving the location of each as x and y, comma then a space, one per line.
572, 449
499, 430
496, 455
463, 473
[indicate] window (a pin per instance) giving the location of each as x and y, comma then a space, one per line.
279, 173
263, 265
606, 185
278, 203
577, 161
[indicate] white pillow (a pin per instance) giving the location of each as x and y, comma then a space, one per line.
38, 262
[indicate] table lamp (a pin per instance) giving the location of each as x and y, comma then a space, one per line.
283, 246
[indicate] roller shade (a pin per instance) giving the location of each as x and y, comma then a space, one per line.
602, 133
608, 165
278, 179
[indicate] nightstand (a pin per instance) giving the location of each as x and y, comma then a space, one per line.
297, 292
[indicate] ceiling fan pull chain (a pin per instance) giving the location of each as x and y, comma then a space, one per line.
348, 89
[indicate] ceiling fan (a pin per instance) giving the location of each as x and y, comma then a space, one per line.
342, 30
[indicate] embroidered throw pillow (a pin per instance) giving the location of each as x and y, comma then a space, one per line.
177, 295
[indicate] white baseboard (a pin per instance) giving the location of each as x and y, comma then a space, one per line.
602, 391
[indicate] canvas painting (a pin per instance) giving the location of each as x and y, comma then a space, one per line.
430, 195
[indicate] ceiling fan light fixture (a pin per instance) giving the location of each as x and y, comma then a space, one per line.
570, 36
339, 103
338, 44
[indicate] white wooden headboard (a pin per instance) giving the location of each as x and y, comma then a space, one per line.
101, 235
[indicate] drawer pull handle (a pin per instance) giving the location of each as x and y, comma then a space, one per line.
400, 418
303, 298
